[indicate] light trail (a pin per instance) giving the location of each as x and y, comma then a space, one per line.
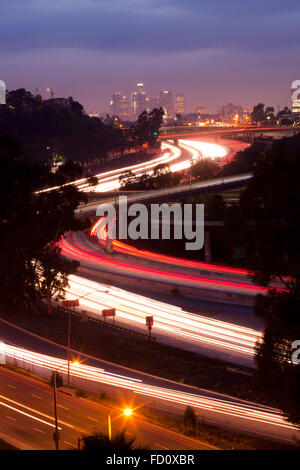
168, 319
76, 250
109, 180
98, 229
230, 407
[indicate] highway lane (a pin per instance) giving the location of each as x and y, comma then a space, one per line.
27, 418
238, 414
173, 155
172, 324
77, 246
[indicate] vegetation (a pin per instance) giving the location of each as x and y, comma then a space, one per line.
31, 225
269, 215
58, 132
147, 356
189, 416
245, 160
205, 169
266, 115
119, 442
162, 177
58, 379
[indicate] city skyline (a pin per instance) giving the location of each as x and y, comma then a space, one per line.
94, 48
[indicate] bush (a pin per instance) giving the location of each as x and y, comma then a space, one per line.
59, 380
189, 416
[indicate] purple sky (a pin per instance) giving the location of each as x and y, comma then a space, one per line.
216, 51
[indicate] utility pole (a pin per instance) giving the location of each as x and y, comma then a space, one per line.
69, 344
55, 434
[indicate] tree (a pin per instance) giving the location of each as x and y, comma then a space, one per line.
31, 225
205, 169
70, 170
48, 127
245, 160
118, 443
269, 217
146, 128
258, 114
189, 417
52, 271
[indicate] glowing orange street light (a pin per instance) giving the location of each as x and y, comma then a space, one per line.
126, 412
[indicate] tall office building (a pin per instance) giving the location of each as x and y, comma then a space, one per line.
116, 103
138, 100
166, 102
2, 92
152, 103
124, 108
180, 103
295, 105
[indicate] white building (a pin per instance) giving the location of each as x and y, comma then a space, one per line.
2, 92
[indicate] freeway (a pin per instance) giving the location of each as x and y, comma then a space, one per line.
178, 157
213, 407
27, 418
184, 329
172, 325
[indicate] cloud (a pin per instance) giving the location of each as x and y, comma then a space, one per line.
152, 27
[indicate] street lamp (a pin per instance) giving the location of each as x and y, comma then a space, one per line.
126, 412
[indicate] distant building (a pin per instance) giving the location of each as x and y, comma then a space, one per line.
2, 92
295, 106
138, 100
124, 108
247, 114
94, 114
201, 110
116, 103
231, 112
152, 103
180, 103
111, 107
166, 102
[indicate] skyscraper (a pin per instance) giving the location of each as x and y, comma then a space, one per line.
138, 100
153, 103
2, 92
295, 108
166, 102
116, 103
124, 108
180, 103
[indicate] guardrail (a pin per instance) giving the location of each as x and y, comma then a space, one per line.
84, 315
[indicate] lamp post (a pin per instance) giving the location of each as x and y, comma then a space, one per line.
55, 434
126, 412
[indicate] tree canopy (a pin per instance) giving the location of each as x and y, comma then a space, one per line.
59, 127
31, 225
269, 217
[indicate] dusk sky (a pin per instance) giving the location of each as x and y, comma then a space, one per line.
213, 51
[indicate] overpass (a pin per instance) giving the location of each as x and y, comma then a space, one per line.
248, 132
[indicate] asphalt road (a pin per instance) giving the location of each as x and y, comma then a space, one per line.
27, 419
213, 407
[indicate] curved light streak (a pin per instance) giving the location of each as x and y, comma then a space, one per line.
229, 408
